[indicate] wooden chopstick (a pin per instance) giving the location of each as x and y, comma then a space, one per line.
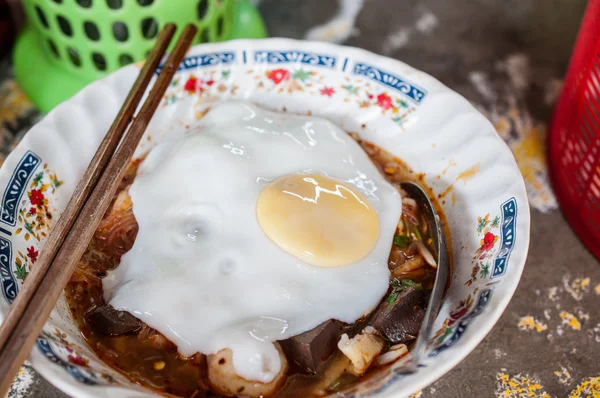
87, 183
29, 322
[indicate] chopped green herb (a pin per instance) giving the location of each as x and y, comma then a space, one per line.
397, 288
401, 241
392, 298
410, 283
418, 233
405, 225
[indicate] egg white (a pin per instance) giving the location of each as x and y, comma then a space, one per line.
201, 270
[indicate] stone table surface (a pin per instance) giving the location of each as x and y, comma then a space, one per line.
508, 58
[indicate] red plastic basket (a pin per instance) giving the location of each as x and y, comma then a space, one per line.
574, 140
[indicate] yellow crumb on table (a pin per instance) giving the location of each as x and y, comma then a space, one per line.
564, 376
589, 388
518, 386
577, 288
570, 320
530, 323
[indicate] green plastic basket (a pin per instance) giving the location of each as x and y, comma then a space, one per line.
70, 43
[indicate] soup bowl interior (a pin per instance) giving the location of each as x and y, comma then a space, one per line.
448, 145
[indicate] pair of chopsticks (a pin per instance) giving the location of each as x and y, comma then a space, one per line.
76, 226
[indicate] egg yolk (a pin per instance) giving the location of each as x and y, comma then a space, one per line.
317, 219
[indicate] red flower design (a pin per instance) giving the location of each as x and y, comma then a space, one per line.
191, 85
328, 91
278, 75
456, 315
194, 84
32, 211
75, 357
488, 242
384, 101
32, 254
77, 360
36, 196
370, 96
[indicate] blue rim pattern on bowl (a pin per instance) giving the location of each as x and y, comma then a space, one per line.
395, 95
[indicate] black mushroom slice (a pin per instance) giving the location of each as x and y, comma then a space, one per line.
111, 322
310, 348
398, 319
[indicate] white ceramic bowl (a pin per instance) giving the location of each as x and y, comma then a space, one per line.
436, 131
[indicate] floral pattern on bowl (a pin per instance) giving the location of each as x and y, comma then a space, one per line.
437, 132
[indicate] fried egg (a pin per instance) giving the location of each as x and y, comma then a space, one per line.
255, 226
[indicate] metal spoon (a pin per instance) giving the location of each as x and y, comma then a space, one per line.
435, 300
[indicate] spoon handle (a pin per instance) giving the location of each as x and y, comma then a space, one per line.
441, 279
435, 303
